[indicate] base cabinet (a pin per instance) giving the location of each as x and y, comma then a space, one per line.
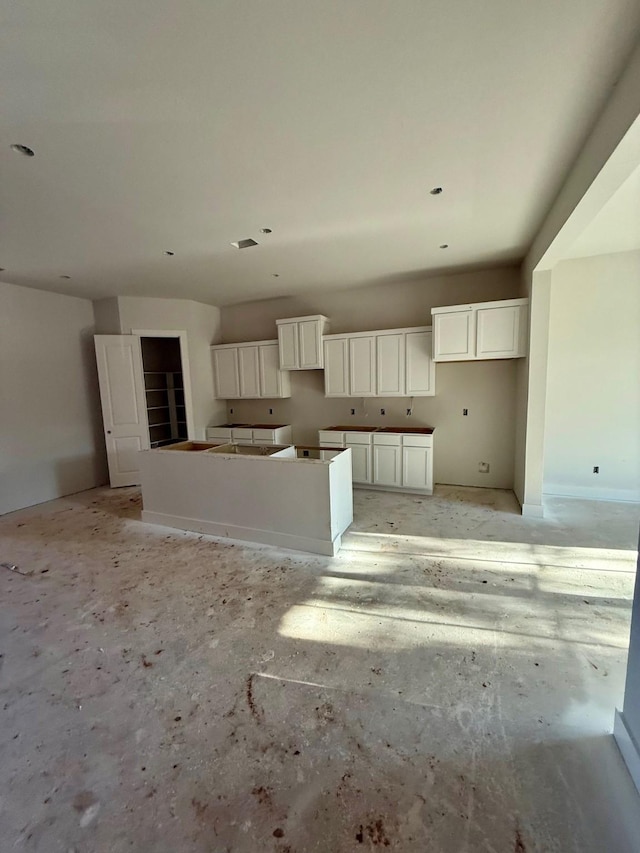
417, 468
402, 461
387, 469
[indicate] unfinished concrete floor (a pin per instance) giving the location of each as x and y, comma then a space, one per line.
447, 683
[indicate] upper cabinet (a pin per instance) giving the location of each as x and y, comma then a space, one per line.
483, 330
249, 371
300, 342
389, 363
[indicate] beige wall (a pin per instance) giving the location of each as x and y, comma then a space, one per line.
51, 440
486, 389
202, 325
593, 379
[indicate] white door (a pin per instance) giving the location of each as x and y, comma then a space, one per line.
288, 345
360, 462
420, 367
387, 468
417, 468
225, 373
310, 352
270, 376
454, 336
336, 368
362, 365
249, 371
390, 365
498, 332
124, 411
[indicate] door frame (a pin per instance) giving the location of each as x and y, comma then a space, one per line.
181, 334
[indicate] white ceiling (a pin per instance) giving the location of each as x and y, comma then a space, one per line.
616, 227
188, 124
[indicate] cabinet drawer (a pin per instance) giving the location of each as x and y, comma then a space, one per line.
330, 436
417, 440
264, 435
240, 434
389, 439
358, 437
220, 433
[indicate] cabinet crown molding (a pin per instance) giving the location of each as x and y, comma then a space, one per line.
470, 306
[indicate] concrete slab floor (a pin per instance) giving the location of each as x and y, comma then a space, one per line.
446, 683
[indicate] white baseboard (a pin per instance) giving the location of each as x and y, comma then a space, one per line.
246, 534
532, 510
591, 493
628, 747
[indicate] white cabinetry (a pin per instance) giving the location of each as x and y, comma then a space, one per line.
362, 366
300, 342
482, 330
389, 363
387, 460
250, 434
336, 367
249, 371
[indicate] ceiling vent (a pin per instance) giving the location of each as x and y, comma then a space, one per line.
244, 244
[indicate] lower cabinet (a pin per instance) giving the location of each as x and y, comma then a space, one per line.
417, 468
402, 461
387, 467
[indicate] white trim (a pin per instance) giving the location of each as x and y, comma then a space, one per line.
628, 747
245, 344
591, 493
301, 319
532, 510
496, 303
186, 373
378, 332
246, 534
400, 489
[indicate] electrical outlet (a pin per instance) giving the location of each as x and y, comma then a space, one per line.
270, 411
596, 469
483, 467
353, 411
382, 411
230, 411
465, 412
409, 412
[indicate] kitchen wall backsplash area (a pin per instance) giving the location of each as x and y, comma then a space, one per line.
485, 390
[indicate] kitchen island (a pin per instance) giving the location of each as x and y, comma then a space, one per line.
298, 498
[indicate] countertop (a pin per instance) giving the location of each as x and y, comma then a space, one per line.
423, 430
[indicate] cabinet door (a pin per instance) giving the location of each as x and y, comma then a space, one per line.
387, 468
362, 378
225, 373
498, 331
310, 345
417, 468
336, 368
288, 346
454, 336
249, 372
360, 462
390, 372
420, 367
270, 376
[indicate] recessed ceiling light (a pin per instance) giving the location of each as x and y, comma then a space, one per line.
65, 276
244, 244
23, 149
171, 254
265, 230
436, 191
444, 245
